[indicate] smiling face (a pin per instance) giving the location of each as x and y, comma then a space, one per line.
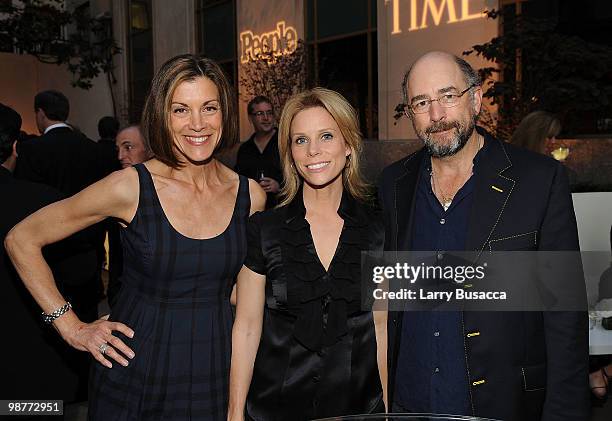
318, 148
262, 117
196, 119
444, 130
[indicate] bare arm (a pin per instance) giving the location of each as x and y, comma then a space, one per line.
258, 197
246, 334
115, 196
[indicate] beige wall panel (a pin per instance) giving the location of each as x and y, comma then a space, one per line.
119, 13
399, 46
22, 76
18, 85
174, 30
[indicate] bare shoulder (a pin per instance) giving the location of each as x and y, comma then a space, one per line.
120, 192
124, 184
116, 195
258, 196
256, 193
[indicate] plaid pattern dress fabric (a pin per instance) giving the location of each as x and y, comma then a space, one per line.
175, 296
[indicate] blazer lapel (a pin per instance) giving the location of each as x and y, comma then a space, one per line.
493, 190
404, 191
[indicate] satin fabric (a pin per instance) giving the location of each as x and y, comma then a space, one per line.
317, 355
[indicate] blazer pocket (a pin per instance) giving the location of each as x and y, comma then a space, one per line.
534, 377
526, 241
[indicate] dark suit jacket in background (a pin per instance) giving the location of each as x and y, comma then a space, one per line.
68, 161
37, 363
535, 364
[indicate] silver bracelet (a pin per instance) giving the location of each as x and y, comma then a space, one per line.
50, 318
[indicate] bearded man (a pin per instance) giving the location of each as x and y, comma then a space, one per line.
467, 191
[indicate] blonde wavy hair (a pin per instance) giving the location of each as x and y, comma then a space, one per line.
346, 118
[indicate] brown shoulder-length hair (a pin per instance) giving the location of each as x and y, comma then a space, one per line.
346, 118
156, 113
534, 129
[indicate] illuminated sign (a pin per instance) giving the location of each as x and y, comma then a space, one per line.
422, 12
282, 40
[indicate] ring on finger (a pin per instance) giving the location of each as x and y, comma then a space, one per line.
102, 348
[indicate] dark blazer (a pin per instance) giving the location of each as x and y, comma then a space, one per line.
68, 161
61, 158
521, 366
42, 365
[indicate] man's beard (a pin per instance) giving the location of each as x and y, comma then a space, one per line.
439, 150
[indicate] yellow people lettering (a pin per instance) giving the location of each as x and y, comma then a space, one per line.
282, 40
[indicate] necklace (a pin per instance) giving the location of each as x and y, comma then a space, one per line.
447, 199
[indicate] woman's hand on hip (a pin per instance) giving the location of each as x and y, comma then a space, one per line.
97, 338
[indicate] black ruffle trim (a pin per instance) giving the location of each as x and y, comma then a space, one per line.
322, 301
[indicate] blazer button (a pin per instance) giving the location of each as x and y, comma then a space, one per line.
316, 379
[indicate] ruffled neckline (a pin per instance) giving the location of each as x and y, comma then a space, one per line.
322, 300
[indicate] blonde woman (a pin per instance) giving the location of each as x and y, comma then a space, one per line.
303, 348
535, 129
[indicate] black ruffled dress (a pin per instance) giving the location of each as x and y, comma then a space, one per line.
317, 355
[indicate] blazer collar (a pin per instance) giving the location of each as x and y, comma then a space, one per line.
404, 191
494, 186
57, 126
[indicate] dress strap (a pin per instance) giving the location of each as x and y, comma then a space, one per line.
244, 198
149, 206
145, 181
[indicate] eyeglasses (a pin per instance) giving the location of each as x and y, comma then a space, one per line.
269, 113
447, 100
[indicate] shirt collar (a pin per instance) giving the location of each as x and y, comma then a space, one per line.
348, 210
55, 126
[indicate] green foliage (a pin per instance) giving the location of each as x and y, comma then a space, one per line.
44, 29
276, 76
559, 73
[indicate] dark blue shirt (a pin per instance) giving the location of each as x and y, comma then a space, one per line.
431, 370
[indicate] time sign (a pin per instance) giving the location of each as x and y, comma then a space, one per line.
426, 12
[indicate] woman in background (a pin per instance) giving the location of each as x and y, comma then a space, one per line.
535, 130
303, 347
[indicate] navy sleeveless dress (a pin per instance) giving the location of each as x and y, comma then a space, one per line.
175, 296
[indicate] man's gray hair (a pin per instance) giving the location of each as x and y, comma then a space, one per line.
471, 76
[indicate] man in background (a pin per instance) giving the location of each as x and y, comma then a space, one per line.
258, 157
60, 157
131, 146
